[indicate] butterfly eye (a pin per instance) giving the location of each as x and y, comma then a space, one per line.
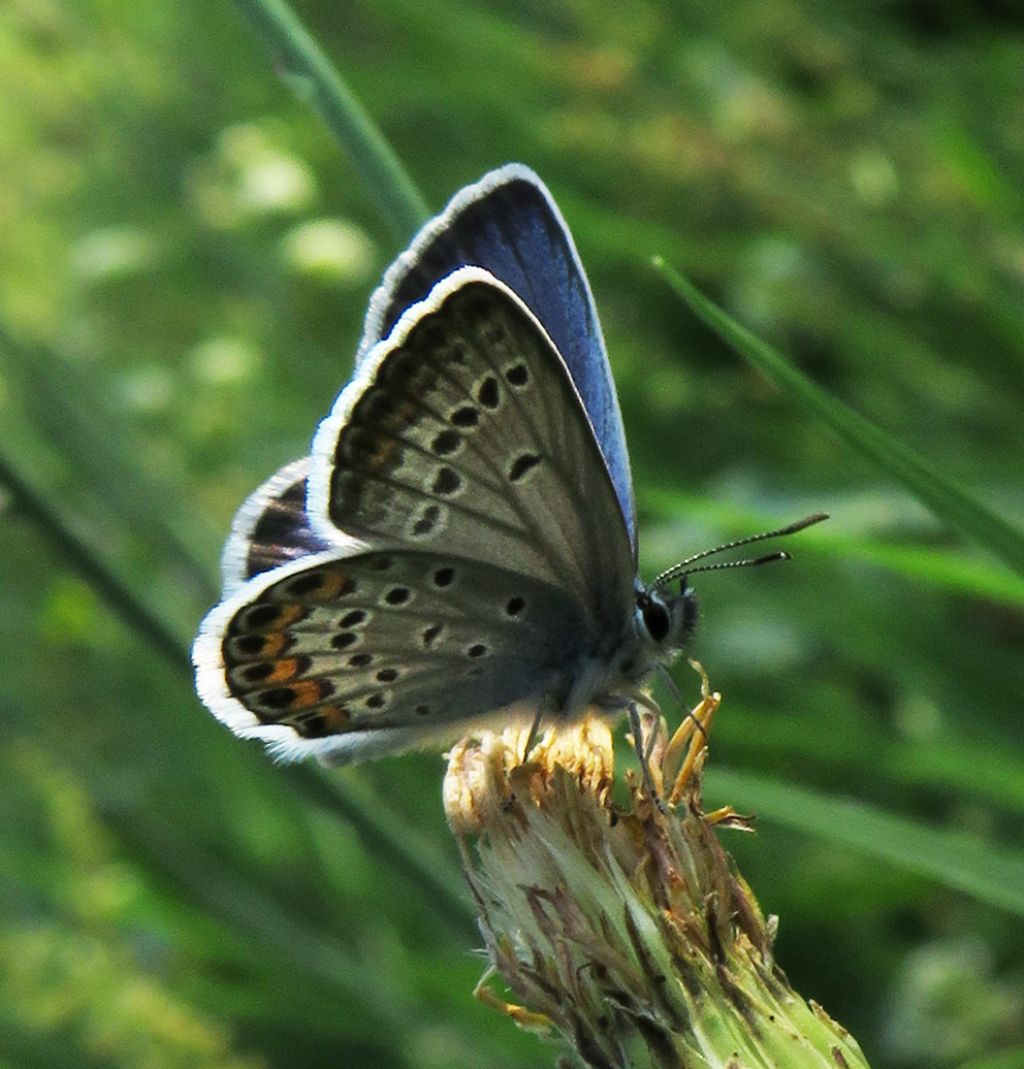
655, 616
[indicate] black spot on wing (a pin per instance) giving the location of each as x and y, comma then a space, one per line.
488, 392
444, 576
446, 443
518, 375
522, 466
466, 417
446, 482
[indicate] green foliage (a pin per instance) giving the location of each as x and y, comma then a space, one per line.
187, 257
932, 487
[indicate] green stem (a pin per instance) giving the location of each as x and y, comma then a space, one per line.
31, 503
382, 836
314, 79
98, 445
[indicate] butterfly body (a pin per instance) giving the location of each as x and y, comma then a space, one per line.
458, 552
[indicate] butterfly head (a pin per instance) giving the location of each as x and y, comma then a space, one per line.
665, 621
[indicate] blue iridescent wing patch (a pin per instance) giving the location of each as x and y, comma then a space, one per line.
508, 224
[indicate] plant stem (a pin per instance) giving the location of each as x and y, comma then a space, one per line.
314, 79
92, 568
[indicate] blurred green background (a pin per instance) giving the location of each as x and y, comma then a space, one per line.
185, 261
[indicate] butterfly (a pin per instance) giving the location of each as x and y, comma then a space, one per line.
459, 550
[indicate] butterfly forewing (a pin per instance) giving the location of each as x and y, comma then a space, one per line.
509, 225
465, 431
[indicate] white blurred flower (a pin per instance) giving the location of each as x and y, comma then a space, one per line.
247, 176
223, 360
334, 249
113, 252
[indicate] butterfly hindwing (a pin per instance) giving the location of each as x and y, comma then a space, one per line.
464, 430
509, 225
271, 528
325, 655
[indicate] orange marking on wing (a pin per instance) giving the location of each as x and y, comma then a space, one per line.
286, 615
283, 671
333, 584
336, 718
385, 450
380, 461
307, 692
273, 644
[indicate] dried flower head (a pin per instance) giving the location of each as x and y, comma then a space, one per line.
625, 926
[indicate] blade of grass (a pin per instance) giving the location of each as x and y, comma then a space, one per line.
939, 493
65, 407
309, 952
92, 567
962, 862
943, 569
286, 936
433, 876
947, 766
315, 80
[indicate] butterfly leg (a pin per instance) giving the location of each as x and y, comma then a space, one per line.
655, 712
696, 737
531, 739
643, 757
691, 719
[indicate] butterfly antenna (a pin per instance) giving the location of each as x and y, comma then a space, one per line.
747, 562
683, 567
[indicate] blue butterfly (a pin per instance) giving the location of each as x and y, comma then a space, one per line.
459, 550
